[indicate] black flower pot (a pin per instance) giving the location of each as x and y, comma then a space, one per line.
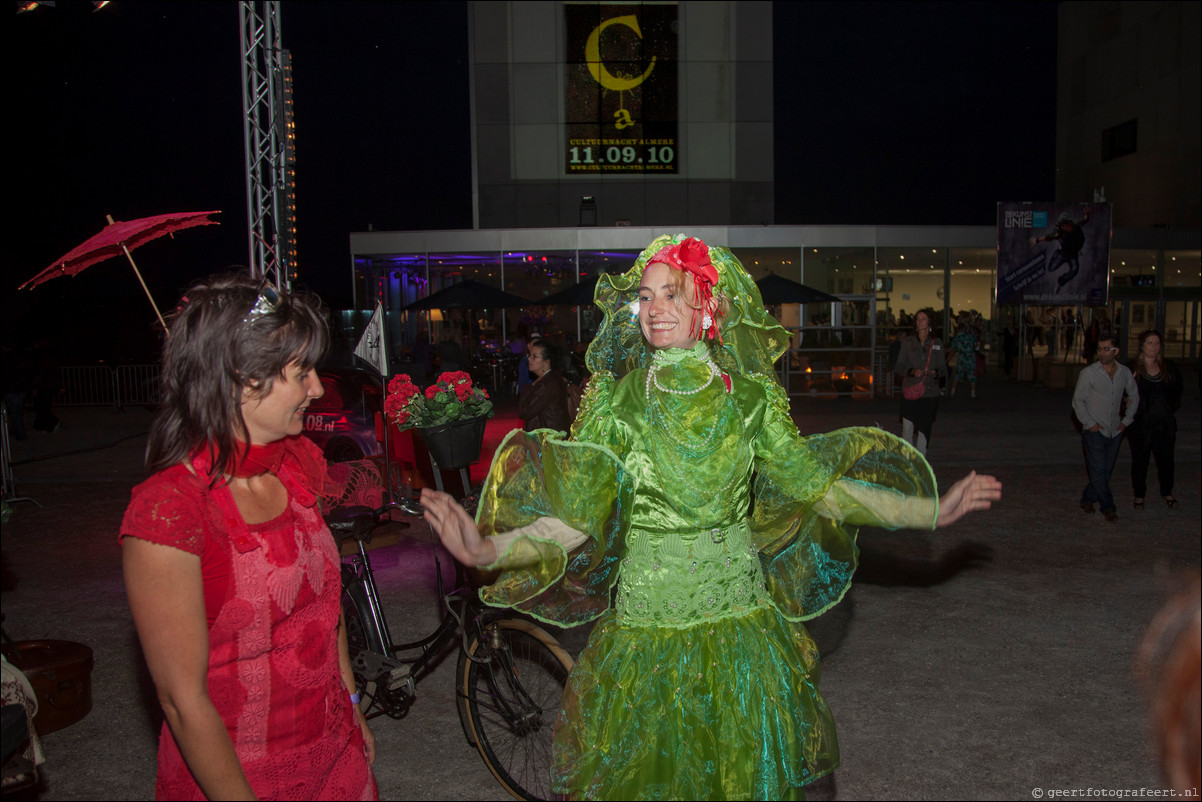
456, 444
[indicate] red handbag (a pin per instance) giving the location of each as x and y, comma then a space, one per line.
918, 390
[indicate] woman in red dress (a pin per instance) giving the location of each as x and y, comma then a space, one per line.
232, 576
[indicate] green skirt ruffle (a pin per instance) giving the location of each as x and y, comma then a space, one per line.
727, 709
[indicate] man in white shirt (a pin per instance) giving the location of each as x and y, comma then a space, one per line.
1098, 404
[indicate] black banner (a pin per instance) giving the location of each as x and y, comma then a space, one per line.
621, 95
1053, 254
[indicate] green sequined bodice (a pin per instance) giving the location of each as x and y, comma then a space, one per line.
689, 555
687, 442
681, 580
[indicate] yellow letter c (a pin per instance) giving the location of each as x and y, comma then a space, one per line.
592, 55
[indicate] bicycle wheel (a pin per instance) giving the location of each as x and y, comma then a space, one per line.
356, 641
512, 700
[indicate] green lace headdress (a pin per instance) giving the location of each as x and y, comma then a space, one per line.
751, 340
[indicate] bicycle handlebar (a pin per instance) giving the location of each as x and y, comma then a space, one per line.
358, 522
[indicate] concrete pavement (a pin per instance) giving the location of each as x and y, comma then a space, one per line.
979, 662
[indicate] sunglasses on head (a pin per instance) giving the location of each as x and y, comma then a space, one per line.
267, 302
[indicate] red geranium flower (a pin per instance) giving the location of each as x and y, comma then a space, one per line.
450, 398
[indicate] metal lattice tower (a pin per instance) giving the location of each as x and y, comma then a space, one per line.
269, 139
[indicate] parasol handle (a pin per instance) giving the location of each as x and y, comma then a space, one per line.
141, 281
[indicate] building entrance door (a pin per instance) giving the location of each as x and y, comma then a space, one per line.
1175, 316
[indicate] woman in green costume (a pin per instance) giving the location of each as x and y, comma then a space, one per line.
686, 484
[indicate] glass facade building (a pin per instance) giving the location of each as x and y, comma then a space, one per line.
882, 275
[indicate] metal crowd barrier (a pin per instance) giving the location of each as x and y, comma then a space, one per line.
9, 490
101, 385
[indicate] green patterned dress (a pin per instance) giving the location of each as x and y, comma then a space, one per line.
700, 681
964, 345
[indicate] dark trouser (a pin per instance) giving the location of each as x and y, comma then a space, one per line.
1101, 452
1155, 442
918, 415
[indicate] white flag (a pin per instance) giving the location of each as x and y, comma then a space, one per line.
371, 348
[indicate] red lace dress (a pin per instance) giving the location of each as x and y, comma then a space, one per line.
272, 602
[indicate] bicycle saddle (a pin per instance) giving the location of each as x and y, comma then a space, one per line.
352, 522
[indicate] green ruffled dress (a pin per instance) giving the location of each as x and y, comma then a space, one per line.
722, 529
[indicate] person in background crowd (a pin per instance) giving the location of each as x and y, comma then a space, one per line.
895, 343
1051, 328
1097, 402
1092, 332
544, 403
964, 345
524, 365
1153, 432
1069, 329
1034, 332
921, 361
1009, 349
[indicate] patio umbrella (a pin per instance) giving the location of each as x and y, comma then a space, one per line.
469, 294
575, 295
776, 289
121, 237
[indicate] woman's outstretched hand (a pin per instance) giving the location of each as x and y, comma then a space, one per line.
456, 529
973, 492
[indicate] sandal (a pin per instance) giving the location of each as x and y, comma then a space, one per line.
1139, 504
1172, 502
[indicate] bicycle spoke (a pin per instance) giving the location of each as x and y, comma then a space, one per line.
514, 698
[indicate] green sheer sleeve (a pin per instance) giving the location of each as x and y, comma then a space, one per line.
581, 483
811, 496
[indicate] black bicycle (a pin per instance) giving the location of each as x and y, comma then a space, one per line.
510, 673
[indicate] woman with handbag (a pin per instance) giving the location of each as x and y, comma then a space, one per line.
921, 363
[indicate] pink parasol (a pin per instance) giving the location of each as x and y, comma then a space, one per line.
120, 237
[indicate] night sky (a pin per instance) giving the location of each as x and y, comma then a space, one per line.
887, 113
913, 113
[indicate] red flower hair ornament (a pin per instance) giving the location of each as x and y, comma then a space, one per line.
693, 256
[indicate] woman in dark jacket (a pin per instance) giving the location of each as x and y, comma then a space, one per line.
1154, 431
544, 403
921, 362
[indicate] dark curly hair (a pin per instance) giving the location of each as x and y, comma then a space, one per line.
215, 351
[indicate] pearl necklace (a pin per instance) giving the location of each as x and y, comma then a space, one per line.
672, 450
665, 422
653, 377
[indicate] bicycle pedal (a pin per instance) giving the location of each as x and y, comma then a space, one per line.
400, 677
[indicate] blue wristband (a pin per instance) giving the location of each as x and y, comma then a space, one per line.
355, 698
